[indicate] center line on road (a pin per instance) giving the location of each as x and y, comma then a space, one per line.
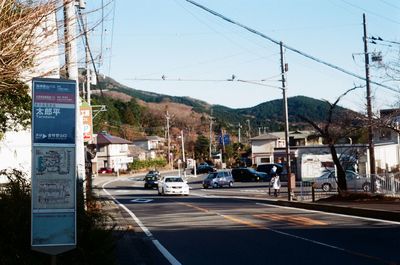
263, 227
300, 220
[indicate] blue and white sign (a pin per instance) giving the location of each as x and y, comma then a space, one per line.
54, 112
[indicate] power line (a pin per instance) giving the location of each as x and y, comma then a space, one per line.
371, 12
286, 46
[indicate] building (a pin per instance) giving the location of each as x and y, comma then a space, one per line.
153, 145
112, 151
15, 147
263, 146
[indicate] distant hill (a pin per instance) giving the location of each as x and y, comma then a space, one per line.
268, 114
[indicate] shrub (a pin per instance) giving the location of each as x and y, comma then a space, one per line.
95, 241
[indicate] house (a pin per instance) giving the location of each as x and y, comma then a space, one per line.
263, 145
112, 151
262, 148
153, 145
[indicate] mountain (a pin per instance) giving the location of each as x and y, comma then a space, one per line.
268, 114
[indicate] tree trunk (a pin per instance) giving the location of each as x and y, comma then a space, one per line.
341, 174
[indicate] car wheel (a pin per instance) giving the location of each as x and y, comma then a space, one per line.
145, 186
230, 184
215, 185
366, 187
205, 186
326, 187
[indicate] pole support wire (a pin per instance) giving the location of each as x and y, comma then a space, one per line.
286, 46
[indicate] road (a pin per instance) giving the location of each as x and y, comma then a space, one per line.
221, 226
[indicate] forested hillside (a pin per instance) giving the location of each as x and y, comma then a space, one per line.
134, 112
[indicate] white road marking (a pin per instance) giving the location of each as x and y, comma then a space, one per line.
142, 200
156, 243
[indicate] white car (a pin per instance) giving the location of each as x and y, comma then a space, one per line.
172, 185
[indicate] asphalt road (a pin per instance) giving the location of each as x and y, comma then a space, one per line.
220, 226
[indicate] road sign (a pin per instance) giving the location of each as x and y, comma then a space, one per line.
53, 226
53, 113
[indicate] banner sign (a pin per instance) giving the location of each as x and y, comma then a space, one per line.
53, 226
86, 113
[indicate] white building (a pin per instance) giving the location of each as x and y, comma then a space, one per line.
112, 151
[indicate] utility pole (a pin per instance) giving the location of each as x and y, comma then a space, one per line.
259, 130
369, 109
248, 130
240, 126
211, 124
183, 147
82, 5
285, 110
71, 66
168, 139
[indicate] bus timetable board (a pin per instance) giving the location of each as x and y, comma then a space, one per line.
53, 228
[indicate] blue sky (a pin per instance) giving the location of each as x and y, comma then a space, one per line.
177, 40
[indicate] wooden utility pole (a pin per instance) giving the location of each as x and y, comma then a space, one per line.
369, 109
168, 139
285, 111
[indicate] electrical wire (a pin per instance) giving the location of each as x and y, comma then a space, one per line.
286, 46
371, 12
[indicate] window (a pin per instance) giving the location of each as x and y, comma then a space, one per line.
265, 159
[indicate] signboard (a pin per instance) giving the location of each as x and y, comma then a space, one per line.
53, 226
225, 138
53, 113
86, 113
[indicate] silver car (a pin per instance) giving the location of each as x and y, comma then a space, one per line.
327, 181
218, 179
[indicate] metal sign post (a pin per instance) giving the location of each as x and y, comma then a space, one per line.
53, 226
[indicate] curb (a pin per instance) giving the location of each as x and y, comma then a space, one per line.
346, 210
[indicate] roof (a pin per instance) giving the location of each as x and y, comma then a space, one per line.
265, 136
149, 138
295, 134
105, 138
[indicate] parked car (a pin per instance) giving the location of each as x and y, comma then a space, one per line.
203, 169
151, 181
155, 172
266, 168
172, 185
105, 170
327, 181
218, 179
249, 174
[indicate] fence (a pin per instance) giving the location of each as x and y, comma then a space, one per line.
384, 184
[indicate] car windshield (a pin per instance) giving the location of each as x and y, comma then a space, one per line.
212, 175
151, 178
177, 179
252, 170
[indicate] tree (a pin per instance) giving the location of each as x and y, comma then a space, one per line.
15, 107
201, 148
338, 125
19, 45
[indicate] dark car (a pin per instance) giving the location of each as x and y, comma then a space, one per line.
203, 169
107, 170
151, 181
266, 168
249, 174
